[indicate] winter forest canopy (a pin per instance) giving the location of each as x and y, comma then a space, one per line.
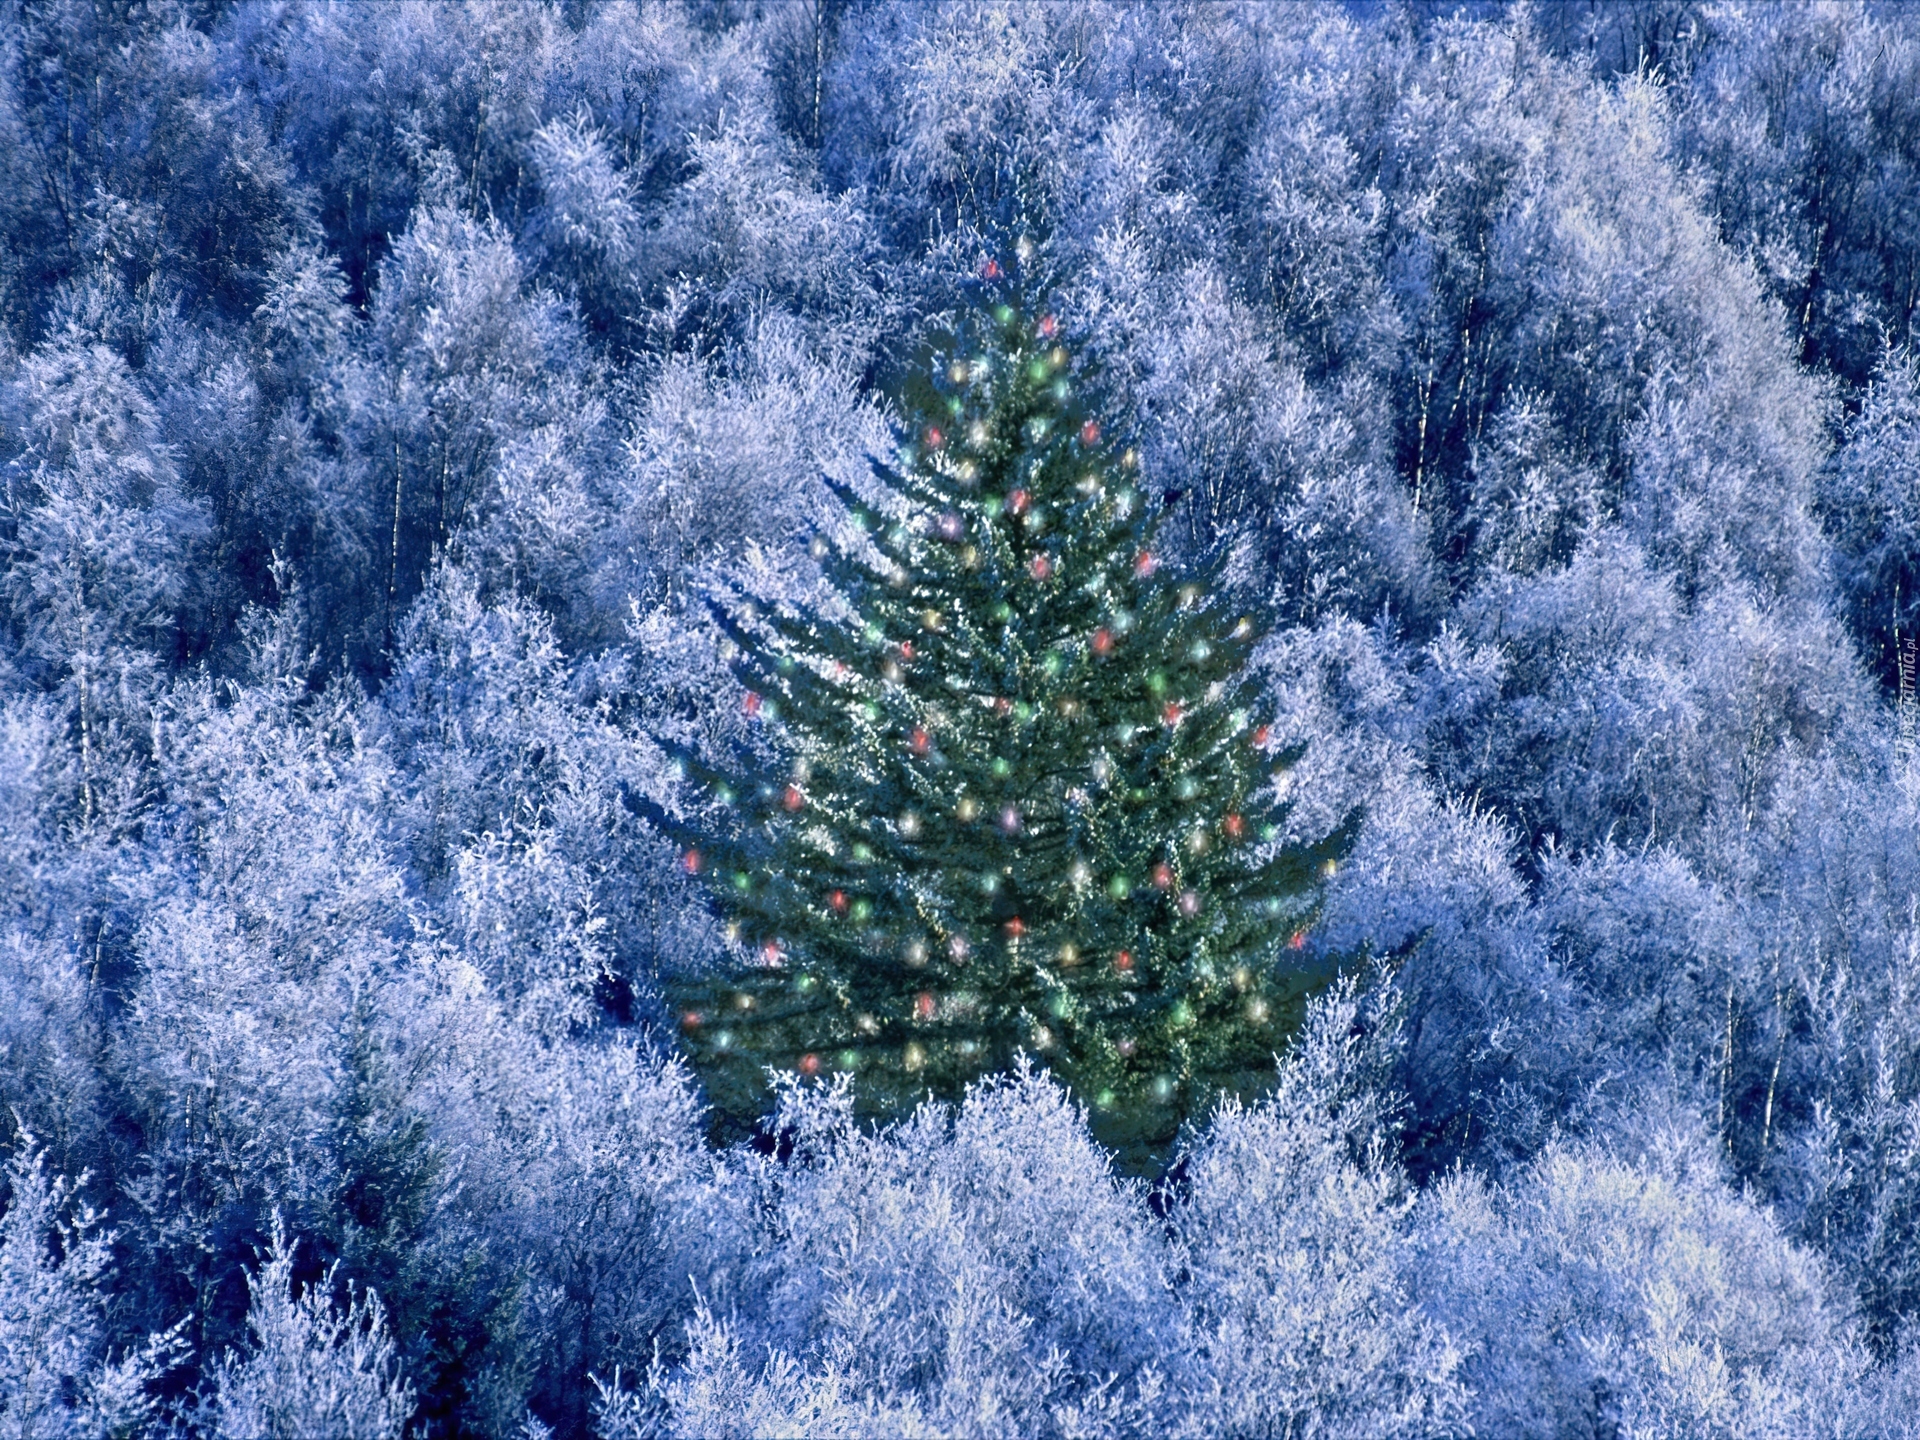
387, 390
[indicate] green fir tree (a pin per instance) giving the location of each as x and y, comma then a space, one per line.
1022, 800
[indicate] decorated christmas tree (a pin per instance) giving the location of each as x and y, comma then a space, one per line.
1016, 795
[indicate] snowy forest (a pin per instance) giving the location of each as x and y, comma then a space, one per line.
392, 394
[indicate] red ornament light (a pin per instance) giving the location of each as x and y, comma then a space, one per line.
923, 1005
692, 1020
1090, 433
1145, 565
792, 798
1048, 325
752, 702
839, 669
1015, 929
1233, 826
838, 900
934, 438
1163, 876
921, 741
809, 1064
1102, 641
770, 952
691, 861
906, 649
1017, 502
1040, 567
1299, 940
1260, 735
1123, 961
990, 270
1172, 713
1002, 705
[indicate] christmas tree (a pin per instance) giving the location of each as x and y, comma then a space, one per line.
1017, 797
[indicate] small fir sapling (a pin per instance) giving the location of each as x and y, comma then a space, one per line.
1022, 800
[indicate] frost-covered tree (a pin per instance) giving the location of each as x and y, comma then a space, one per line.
58, 1374
313, 1367
98, 543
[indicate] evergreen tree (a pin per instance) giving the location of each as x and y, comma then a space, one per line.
1020, 799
